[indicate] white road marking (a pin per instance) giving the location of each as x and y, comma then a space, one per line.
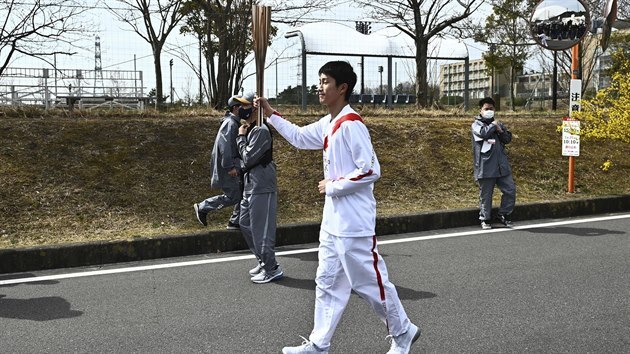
306, 250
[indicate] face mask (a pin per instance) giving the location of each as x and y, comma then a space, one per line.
487, 114
245, 113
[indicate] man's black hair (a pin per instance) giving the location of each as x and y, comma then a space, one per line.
342, 72
485, 100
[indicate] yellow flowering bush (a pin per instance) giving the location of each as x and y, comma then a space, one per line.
607, 115
606, 165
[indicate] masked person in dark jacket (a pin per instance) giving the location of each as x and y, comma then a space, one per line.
491, 166
225, 165
260, 196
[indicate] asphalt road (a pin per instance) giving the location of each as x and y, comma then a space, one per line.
552, 286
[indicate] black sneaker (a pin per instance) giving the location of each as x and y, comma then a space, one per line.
504, 219
201, 216
485, 225
233, 226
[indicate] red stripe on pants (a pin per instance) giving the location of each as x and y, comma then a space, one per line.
378, 273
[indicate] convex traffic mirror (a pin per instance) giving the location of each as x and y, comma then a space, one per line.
559, 24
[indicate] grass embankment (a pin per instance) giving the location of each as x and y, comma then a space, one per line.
103, 176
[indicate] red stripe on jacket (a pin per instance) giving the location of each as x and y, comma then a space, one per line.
360, 176
348, 117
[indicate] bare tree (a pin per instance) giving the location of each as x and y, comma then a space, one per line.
153, 23
39, 29
422, 20
224, 30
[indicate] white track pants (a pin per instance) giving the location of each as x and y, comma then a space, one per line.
346, 264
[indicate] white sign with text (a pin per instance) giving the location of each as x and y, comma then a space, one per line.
575, 96
570, 137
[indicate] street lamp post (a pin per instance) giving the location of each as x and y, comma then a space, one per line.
362, 87
171, 65
200, 73
363, 28
362, 75
492, 48
380, 70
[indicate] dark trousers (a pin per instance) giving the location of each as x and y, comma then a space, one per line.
486, 189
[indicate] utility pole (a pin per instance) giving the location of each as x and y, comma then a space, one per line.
363, 28
395, 76
380, 70
135, 79
448, 95
542, 101
200, 73
98, 67
171, 65
554, 90
55, 67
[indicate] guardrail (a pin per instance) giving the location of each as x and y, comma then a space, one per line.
90, 102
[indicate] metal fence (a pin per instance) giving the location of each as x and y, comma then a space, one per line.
51, 88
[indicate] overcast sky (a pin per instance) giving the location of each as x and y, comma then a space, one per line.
119, 45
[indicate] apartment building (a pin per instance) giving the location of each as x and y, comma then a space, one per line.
528, 85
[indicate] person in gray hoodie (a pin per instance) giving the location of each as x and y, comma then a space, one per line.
260, 196
491, 166
225, 165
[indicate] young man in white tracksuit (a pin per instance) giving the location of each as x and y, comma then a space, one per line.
260, 197
348, 253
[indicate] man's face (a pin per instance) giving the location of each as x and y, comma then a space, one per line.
486, 107
328, 91
252, 117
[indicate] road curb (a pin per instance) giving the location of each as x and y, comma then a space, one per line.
98, 253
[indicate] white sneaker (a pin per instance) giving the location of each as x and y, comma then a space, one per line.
256, 270
402, 343
265, 277
307, 347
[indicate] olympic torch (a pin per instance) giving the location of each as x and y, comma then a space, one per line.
261, 22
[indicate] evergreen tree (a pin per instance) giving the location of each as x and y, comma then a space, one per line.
506, 30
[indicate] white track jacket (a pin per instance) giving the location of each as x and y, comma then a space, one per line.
350, 164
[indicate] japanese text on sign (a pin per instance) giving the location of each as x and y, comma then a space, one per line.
575, 96
570, 137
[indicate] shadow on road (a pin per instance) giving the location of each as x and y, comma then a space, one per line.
309, 284
412, 294
306, 284
308, 257
576, 231
36, 309
24, 276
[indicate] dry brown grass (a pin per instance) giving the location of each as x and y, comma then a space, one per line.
107, 175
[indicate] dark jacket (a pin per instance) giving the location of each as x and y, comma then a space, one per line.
488, 149
225, 153
256, 150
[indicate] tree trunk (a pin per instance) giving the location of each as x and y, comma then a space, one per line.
512, 81
222, 75
157, 61
421, 72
